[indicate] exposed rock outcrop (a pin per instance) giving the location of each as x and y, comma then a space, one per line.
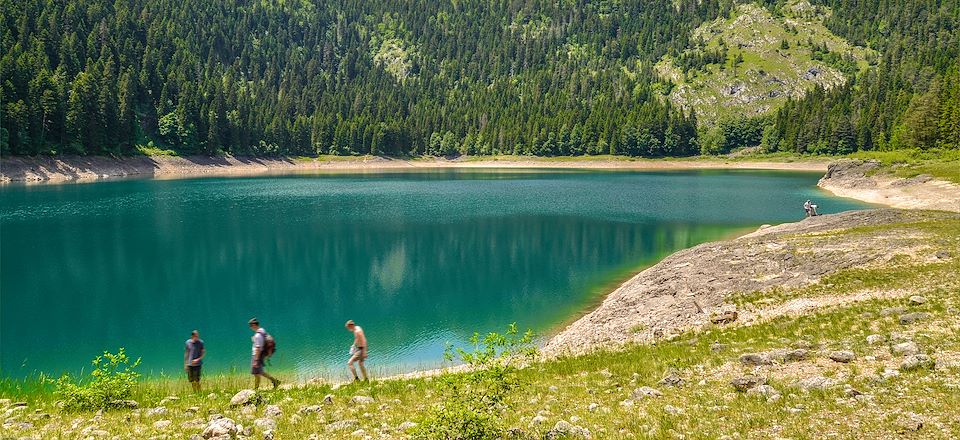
687, 288
860, 179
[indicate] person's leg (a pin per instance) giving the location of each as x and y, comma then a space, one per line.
356, 356
272, 379
353, 370
192, 377
256, 381
363, 370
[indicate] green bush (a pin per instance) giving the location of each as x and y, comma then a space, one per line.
112, 381
456, 420
473, 400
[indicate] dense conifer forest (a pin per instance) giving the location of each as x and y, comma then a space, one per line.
558, 77
911, 100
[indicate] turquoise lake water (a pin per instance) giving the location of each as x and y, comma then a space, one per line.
418, 259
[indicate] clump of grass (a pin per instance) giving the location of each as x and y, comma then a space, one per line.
152, 150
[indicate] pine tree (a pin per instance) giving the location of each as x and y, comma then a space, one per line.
127, 118
103, 137
81, 111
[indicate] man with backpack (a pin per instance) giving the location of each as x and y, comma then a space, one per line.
263, 347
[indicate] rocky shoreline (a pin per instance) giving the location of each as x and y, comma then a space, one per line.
86, 168
858, 179
693, 288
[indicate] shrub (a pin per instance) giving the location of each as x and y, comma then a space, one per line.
473, 400
112, 380
456, 420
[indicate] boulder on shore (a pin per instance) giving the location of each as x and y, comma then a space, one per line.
842, 356
756, 359
905, 348
744, 383
916, 362
643, 392
911, 318
243, 397
565, 429
221, 427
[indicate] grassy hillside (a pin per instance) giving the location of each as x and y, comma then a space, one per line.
681, 386
751, 62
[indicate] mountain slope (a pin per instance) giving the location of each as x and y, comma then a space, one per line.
751, 63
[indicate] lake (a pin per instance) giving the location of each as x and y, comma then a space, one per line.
419, 259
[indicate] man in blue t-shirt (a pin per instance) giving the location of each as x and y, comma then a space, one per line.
193, 359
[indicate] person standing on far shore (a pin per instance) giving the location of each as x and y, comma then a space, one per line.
259, 353
193, 359
358, 352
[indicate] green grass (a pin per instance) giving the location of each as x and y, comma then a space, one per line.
940, 163
150, 150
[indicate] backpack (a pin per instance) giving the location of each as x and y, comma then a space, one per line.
269, 345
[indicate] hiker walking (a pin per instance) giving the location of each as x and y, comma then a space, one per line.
263, 348
193, 355
358, 351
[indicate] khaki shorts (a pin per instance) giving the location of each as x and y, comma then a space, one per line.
359, 355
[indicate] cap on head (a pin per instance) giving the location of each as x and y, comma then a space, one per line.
254, 321
194, 333
349, 323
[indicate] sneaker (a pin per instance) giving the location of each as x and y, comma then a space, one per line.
275, 383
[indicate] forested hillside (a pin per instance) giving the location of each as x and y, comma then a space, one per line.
911, 100
540, 77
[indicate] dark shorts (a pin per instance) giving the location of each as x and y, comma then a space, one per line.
256, 367
193, 373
